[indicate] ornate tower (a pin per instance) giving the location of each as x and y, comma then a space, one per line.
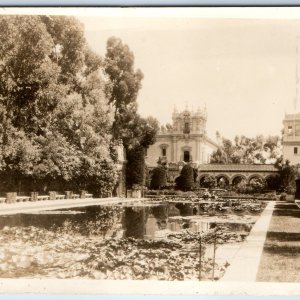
190, 123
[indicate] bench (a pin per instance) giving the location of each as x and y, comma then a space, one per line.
88, 195
43, 197
75, 196
22, 198
60, 196
2, 200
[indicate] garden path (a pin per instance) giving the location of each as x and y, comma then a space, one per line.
245, 263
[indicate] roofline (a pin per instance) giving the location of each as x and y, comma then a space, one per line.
179, 135
242, 167
212, 142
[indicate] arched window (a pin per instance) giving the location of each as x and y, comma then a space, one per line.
163, 149
186, 156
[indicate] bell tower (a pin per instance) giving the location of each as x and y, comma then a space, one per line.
189, 123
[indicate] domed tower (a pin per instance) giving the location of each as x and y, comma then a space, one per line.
190, 123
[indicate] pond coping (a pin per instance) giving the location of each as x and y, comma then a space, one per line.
245, 263
28, 207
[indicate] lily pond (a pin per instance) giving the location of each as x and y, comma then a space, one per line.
151, 240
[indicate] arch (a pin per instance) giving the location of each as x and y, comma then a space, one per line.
268, 176
201, 178
272, 181
208, 184
297, 193
222, 180
186, 156
255, 176
237, 179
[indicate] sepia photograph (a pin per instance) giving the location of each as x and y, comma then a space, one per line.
150, 151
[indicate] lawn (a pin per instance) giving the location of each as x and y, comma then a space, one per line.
280, 260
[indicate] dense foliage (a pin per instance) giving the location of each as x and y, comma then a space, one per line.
135, 166
159, 178
185, 181
248, 150
256, 185
287, 177
55, 117
61, 118
208, 182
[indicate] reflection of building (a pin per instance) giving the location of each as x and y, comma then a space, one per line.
185, 140
291, 138
134, 221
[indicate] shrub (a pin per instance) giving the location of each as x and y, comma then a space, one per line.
135, 167
257, 185
209, 182
185, 181
282, 197
159, 178
287, 175
98, 177
273, 182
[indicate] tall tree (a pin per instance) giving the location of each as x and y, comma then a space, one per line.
125, 84
135, 132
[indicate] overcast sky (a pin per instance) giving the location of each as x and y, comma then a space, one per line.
243, 70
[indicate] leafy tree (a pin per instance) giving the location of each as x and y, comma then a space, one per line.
125, 82
218, 157
53, 108
287, 175
142, 135
248, 150
128, 127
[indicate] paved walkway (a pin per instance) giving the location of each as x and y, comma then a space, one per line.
245, 263
27, 207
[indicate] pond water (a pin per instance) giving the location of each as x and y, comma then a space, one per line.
141, 221
157, 241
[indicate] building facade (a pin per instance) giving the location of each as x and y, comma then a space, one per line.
184, 140
291, 138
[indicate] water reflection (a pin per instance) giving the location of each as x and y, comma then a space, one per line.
142, 222
134, 221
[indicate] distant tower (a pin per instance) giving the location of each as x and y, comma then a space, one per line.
296, 74
291, 122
